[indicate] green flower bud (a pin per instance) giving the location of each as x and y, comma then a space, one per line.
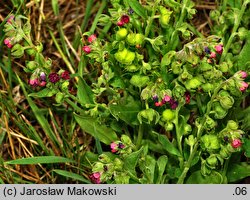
191, 140
226, 101
168, 115
125, 56
126, 140
232, 125
212, 161
176, 67
224, 153
121, 34
224, 67
210, 142
122, 178
98, 167
165, 16
131, 39
139, 39
59, 97
210, 123
205, 170
214, 14
193, 83
169, 126
207, 87
32, 65
118, 164
187, 129
104, 158
139, 81
65, 86
220, 112
17, 51
243, 33
149, 115
205, 66
48, 63
39, 48
132, 68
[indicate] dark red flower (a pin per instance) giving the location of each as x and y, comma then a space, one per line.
125, 19
120, 23
187, 97
236, 143
95, 177
173, 104
54, 77
86, 49
92, 38
65, 75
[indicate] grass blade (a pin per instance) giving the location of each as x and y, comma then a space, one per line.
71, 175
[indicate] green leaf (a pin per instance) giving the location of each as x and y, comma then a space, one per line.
138, 8
167, 58
131, 161
198, 178
127, 113
246, 147
168, 146
40, 160
237, 172
46, 92
94, 128
243, 58
71, 175
84, 92
161, 164
55, 7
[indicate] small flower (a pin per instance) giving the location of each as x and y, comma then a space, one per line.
92, 38
121, 146
65, 75
7, 42
120, 23
130, 11
42, 76
187, 97
86, 49
226, 138
96, 177
173, 104
158, 104
155, 98
243, 86
236, 143
42, 84
114, 147
219, 48
54, 77
125, 19
33, 82
213, 55
165, 99
207, 50
11, 18
243, 74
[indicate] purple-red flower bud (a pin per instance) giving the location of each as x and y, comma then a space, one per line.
96, 177
7, 42
243, 86
219, 48
213, 55
33, 82
114, 147
158, 104
173, 104
42, 84
65, 75
125, 19
92, 38
54, 77
120, 23
43, 76
187, 97
243, 74
10, 19
207, 50
236, 143
86, 49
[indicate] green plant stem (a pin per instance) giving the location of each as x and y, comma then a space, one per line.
177, 129
73, 105
140, 136
199, 134
238, 19
151, 19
